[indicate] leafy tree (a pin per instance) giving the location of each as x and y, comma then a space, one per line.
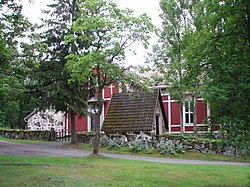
50, 81
195, 68
13, 99
168, 55
109, 31
222, 45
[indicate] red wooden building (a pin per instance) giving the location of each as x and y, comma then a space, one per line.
171, 106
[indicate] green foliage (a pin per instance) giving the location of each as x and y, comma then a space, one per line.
112, 143
169, 147
220, 47
235, 133
138, 145
14, 102
107, 31
168, 55
104, 141
204, 49
116, 143
49, 82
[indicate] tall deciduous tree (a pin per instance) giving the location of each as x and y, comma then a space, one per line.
109, 31
222, 44
168, 55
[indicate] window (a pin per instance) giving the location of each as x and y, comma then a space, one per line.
189, 110
92, 115
93, 119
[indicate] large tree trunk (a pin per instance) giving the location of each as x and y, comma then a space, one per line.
97, 136
98, 128
73, 127
181, 116
195, 115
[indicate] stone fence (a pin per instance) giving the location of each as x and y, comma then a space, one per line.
190, 143
28, 134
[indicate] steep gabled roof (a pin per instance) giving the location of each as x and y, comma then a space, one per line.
29, 115
132, 112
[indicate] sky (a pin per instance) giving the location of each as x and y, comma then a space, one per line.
151, 7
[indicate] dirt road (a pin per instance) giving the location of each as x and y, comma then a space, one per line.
57, 149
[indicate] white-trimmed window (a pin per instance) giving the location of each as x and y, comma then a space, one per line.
189, 111
93, 119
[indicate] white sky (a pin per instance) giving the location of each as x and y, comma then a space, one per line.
151, 7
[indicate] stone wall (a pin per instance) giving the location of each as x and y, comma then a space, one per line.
28, 134
212, 146
201, 145
85, 137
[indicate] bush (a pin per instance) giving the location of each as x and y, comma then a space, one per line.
116, 143
104, 141
137, 145
168, 147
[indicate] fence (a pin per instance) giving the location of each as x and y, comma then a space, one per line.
63, 135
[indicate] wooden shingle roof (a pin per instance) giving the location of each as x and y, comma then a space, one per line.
132, 112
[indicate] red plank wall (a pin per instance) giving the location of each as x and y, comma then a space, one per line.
201, 112
175, 113
106, 105
81, 123
107, 92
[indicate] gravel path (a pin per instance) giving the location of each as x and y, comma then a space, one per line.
49, 149
57, 149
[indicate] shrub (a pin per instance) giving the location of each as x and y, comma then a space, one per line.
115, 143
137, 145
168, 147
104, 141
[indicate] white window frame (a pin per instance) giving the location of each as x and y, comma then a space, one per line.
188, 112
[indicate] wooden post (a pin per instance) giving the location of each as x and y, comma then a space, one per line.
52, 134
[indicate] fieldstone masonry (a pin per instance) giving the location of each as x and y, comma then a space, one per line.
189, 143
28, 135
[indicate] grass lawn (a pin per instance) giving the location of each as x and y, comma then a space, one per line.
100, 171
189, 155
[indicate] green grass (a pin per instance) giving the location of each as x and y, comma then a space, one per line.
189, 155
101, 171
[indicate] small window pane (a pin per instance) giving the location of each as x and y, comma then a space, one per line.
191, 118
186, 106
187, 118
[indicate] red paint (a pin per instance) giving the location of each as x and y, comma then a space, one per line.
166, 109
175, 113
115, 89
164, 98
106, 105
189, 128
107, 92
175, 129
81, 123
201, 112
